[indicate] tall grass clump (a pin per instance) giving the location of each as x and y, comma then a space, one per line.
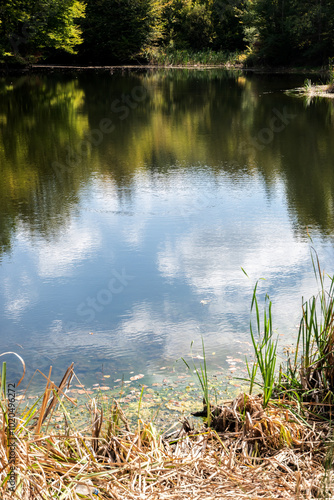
202, 377
265, 347
309, 377
307, 84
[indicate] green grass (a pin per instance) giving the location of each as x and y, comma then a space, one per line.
265, 348
184, 57
307, 84
202, 377
309, 376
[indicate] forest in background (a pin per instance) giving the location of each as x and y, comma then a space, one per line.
272, 32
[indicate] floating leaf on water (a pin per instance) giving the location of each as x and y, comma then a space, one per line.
165, 381
106, 376
137, 377
155, 384
91, 333
79, 385
213, 353
20, 398
117, 380
81, 391
163, 368
127, 381
104, 388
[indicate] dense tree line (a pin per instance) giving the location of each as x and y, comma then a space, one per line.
108, 31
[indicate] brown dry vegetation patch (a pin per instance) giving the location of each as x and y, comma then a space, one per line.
248, 453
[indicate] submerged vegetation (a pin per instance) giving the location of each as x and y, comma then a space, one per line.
277, 444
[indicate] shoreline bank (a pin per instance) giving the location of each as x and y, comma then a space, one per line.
50, 68
249, 451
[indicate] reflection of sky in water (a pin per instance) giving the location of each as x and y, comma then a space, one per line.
183, 238
137, 249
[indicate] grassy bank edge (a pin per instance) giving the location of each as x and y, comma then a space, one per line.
173, 58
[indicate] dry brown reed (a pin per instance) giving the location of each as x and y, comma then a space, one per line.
250, 452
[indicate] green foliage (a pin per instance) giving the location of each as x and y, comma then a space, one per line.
118, 30
279, 32
228, 17
32, 30
187, 24
291, 31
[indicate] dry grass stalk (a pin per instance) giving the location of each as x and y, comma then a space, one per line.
251, 453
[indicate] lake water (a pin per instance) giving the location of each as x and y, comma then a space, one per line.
130, 203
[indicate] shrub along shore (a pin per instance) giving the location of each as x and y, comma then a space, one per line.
276, 443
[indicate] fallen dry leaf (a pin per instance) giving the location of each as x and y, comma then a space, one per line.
137, 377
